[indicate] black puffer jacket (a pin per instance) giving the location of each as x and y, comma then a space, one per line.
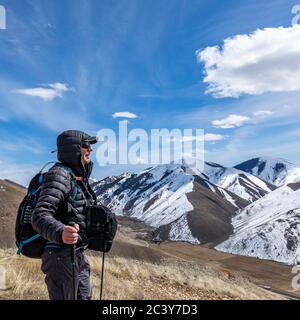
56, 206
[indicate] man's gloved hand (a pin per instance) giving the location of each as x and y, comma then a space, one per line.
70, 234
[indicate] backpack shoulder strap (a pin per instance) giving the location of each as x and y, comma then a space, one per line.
41, 171
74, 190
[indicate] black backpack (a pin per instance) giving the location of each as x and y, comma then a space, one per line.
28, 241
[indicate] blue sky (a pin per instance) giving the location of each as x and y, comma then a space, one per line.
73, 64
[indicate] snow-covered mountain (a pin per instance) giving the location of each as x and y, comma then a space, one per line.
93, 180
150, 195
227, 208
276, 171
233, 198
243, 184
269, 228
178, 204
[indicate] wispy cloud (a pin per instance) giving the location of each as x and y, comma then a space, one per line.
206, 137
263, 113
214, 137
55, 115
48, 92
232, 121
245, 64
124, 114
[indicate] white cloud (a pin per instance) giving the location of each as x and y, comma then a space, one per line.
214, 137
47, 93
263, 113
231, 121
266, 60
124, 114
189, 138
59, 86
52, 116
206, 136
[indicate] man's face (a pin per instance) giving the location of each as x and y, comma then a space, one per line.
85, 152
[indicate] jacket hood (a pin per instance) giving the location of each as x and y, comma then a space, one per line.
69, 145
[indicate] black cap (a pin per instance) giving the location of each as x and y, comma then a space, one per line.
90, 139
74, 139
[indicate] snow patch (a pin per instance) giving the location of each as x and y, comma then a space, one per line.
180, 231
269, 228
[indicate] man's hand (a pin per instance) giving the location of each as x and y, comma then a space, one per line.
70, 234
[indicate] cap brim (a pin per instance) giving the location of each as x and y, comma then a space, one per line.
91, 140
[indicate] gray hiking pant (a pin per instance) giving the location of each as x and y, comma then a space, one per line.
58, 268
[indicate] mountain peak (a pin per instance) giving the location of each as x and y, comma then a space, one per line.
277, 171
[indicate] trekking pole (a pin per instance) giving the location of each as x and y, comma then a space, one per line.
102, 272
73, 259
73, 272
103, 257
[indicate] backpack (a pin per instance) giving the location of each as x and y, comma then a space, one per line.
101, 227
29, 242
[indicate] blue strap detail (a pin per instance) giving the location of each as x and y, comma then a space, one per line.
74, 194
52, 246
49, 242
41, 179
34, 192
20, 247
31, 239
21, 243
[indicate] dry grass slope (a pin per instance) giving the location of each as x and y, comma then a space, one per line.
132, 279
135, 268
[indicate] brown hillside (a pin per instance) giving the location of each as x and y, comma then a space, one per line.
11, 195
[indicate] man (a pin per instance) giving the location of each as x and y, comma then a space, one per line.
59, 217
